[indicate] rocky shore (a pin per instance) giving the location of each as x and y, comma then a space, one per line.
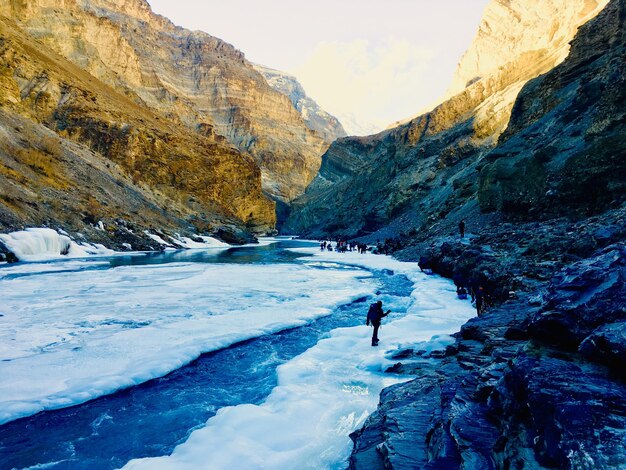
535, 382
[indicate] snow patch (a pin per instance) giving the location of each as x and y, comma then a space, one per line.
207, 242
38, 244
178, 241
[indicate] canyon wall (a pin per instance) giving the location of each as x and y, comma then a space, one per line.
537, 380
190, 77
75, 152
413, 176
314, 116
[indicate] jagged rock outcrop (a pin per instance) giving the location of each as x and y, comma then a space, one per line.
536, 382
315, 117
416, 174
191, 77
75, 152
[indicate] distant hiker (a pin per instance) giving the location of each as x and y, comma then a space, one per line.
473, 287
480, 300
323, 245
462, 228
329, 247
375, 316
423, 263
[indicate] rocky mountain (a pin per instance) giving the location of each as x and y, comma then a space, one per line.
521, 32
530, 153
537, 381
78, 155
190, 77
315, 117
417, 173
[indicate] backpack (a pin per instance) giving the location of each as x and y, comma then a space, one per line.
372, 314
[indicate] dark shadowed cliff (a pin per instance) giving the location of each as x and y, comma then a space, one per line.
425, 173
538, 380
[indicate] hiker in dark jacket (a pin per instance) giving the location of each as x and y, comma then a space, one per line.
375, 316
462, 228
480, 300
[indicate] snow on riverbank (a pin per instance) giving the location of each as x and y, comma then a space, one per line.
328, 391
179, 241
68, 337
39, 244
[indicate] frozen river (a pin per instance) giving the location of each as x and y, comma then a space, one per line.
249, 357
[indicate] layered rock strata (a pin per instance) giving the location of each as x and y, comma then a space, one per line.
74, 152
190, 77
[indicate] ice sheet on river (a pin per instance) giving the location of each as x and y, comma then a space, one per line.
68, 337
325, 393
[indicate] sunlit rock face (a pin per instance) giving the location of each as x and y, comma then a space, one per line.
314, 116
511, 29
191, 77
518, 40
421, 171
75, 153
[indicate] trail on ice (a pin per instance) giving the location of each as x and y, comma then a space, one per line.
326, 392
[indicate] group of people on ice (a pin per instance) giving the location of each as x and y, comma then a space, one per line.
390, 245
342, 246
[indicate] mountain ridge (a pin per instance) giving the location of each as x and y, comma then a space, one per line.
314, 116
406, 169
77, 152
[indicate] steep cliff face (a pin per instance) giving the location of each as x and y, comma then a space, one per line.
510, 29
417, 173
192, 77
315, 117
537, 381
563, 151
74, 151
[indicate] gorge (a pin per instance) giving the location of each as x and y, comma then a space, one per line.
121, 132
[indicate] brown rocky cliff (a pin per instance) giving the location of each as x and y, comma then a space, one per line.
198, 178
187, 76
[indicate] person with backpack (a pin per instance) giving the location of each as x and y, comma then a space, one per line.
374, 317
480, 295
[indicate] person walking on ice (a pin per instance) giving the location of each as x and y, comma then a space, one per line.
375, 316
462, 228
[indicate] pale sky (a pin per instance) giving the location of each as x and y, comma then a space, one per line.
378, 60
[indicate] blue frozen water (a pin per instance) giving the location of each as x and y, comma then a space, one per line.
152, 418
